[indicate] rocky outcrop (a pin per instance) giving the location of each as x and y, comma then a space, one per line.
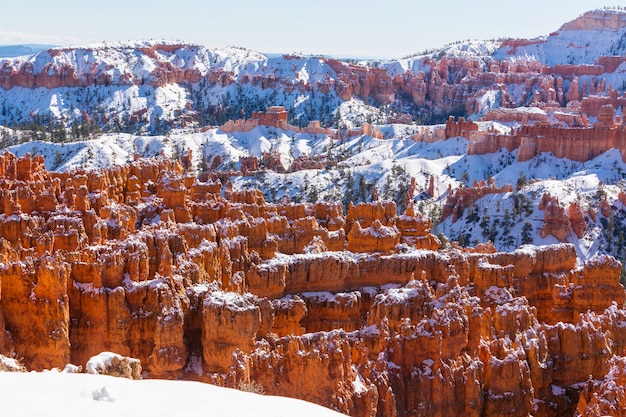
415, 230
376, 238
360, 311
10, 365
577, 219
603, 397
461, 198
577, 141
113, 364
229, 322
275, 116
35, 305
596, 19
556, 222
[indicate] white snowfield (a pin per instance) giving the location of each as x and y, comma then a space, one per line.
55, 394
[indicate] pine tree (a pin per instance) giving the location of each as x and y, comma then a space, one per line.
362, 188
527, 231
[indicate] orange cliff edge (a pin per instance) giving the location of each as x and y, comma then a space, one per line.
578, 143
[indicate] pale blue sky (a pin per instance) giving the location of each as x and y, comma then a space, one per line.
387, 28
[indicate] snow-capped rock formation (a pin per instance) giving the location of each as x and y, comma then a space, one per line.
153, 86
349, 299
355, 311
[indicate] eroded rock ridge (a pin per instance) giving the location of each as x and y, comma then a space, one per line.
361, 311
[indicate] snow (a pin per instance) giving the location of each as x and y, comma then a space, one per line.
320, 296
345, 299
100, 362
402, 295
388, 164
428, 367
497, 295
231, 300
570, 46
557, 390
480, 50
10, 364
67, 395
358, 384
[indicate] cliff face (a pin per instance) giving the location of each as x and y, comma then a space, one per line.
574, 141
596, 19
360, 312
461, 198
57, 68
515, 73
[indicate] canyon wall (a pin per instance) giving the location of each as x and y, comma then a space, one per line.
275, 116
575, 143
432, 86
361, 312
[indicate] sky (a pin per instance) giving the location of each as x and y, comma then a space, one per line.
338, 28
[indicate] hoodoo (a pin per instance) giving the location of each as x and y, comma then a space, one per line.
207, 285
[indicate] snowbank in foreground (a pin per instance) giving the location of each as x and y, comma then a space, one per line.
54, 394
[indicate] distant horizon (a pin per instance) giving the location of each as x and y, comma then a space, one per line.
42, 47
366, 31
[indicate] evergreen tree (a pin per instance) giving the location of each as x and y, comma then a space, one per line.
527, 233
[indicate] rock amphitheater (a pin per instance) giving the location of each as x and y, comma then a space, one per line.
365, 312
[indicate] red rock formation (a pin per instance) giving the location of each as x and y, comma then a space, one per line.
556, 222
460, 127
461, 198
376, 238
415, 230
604, 398
108, 363
322, 367
287, 314
575, 143
595, 19
275, 116
249, 164
367, 213
117, 264
577, 219
522, 116
365, 129
36, 310
223, 311
431, 186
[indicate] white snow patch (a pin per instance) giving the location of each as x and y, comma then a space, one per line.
55, 394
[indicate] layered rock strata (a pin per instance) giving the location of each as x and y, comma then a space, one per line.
360, 311
429, 87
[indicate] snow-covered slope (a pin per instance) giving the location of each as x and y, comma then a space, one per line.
132, 86
168, 90
54, 394
154, 86
581, 41
132, 61
357, 166
481, 50
596, 33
